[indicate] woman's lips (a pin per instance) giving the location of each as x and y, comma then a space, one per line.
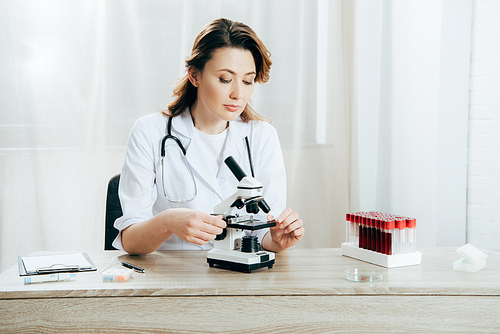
232, 107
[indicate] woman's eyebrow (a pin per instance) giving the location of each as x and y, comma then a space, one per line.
234, 73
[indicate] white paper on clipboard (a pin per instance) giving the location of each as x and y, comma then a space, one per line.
57, 262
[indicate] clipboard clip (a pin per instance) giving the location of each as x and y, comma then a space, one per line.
57, 267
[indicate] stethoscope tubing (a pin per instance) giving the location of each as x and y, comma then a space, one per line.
177, 140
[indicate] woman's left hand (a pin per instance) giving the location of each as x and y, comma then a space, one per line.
288, 231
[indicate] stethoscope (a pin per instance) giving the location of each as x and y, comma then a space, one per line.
179, 144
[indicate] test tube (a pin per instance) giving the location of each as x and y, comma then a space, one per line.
356, 232
360, 227
389, 228
400, 242
347, 227
361, 231
362, 221
395, 239
411, 234
378, 236
382, 235
352, 232
370, 233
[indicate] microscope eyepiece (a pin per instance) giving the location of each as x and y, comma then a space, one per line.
235, 168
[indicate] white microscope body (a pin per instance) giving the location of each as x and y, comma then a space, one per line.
232, 250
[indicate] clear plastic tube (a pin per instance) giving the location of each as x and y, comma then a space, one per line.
362, 232
352, 232
356, 232
389, 226
400, 236
370, 233
383, 238
348, 228
411, 235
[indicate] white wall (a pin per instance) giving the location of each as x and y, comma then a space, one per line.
483, 208
413, 83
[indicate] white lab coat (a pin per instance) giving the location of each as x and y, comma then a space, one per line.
140, 188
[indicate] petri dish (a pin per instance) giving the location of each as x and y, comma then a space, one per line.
363, 275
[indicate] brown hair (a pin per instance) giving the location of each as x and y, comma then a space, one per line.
220, 33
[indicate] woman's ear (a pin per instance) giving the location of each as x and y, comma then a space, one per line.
193, 76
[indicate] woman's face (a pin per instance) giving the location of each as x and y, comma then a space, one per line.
224, 86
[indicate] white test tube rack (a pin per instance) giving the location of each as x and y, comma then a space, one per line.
387, 261
351, 249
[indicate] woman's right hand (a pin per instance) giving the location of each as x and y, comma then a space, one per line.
192, 225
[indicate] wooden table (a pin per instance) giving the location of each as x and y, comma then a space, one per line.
304, 292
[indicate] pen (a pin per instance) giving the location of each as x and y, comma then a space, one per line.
49, 278
131, 266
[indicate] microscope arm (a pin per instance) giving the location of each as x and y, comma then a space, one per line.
249, 193
224, 208
248, 188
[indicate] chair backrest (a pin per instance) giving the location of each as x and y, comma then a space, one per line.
113, 211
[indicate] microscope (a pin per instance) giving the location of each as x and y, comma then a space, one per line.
231, 249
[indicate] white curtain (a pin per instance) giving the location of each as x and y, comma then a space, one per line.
75, 75
412, 102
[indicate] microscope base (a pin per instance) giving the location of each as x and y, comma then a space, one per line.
245, 268
240, 261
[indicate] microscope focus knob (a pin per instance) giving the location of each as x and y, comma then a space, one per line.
222, 236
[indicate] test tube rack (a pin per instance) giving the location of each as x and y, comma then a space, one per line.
384, 249
383, 260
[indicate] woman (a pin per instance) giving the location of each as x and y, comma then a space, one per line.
162, 207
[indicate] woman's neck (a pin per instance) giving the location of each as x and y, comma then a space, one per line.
209, 125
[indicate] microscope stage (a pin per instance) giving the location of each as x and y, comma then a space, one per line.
252, 224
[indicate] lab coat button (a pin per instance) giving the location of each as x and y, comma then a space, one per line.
215, 195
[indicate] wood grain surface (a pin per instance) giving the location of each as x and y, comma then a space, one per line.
305, 291
246, 314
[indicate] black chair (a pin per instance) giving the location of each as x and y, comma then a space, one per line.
113, 211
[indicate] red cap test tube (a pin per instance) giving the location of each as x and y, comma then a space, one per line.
381, 232
411, 237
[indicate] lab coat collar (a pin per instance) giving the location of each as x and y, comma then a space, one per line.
183, 125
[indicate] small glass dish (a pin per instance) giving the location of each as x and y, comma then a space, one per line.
363, 275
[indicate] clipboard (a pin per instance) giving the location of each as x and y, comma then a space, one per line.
57, 263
